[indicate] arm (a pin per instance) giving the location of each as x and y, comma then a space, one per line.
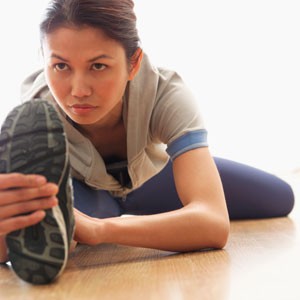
201, 223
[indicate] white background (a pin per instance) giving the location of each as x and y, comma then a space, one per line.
240, 58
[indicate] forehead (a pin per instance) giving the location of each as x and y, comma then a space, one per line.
83, 40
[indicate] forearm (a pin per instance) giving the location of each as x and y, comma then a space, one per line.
187, 229
3, 250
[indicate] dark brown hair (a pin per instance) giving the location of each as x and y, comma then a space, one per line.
115, 17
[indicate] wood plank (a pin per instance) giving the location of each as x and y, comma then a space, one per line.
260, 261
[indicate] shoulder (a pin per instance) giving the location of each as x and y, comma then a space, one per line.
161, 77
154, 85
34, 86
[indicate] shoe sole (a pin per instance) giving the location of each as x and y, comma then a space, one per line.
32, 141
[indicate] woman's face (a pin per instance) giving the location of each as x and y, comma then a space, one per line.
87, 73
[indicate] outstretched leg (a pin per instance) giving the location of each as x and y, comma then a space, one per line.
252, 193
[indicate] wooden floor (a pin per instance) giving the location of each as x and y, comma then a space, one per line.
261, 261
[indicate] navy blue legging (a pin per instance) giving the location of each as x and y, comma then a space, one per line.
250, 194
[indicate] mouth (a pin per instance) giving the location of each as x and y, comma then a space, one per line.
80, 109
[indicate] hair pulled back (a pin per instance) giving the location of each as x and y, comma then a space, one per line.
115, 17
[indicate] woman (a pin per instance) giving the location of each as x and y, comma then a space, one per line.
118, 111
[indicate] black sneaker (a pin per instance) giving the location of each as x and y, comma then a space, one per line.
32, 141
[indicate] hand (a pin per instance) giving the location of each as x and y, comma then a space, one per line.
23, 199
87, 229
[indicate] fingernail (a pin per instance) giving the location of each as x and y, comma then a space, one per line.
40, 179
52, 188
55, 200
41, 214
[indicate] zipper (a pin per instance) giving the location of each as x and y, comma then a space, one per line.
124, 198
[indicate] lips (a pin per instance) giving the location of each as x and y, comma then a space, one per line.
80, 109
82, 106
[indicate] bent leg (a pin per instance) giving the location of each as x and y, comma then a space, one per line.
252, 193
157, 195
95, 203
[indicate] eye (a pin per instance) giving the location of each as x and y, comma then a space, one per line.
98, 66
61, 67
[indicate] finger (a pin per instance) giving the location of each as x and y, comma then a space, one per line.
25, 194
16, 209
9, 225
13, 180
72, 246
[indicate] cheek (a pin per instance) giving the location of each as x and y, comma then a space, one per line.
56, 86
106, 87
113, 88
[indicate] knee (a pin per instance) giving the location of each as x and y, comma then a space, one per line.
287, 198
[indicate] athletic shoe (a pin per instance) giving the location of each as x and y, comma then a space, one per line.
32, 141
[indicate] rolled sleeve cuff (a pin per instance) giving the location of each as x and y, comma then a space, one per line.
189, 141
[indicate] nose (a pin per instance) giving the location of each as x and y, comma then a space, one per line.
80, 86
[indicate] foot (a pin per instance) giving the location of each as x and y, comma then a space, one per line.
32, 141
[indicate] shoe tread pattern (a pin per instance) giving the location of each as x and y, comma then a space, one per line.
32, 141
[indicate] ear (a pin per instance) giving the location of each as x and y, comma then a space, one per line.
135, 64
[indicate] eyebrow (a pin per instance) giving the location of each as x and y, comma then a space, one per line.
90, 60
105, 56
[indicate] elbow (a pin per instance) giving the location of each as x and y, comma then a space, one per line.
219, 224
213, 231
221, 234
211, 228
212, 235
216, 230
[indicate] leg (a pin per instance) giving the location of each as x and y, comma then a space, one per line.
249, 192
157, 195
95, 203
32, 141
252, 193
